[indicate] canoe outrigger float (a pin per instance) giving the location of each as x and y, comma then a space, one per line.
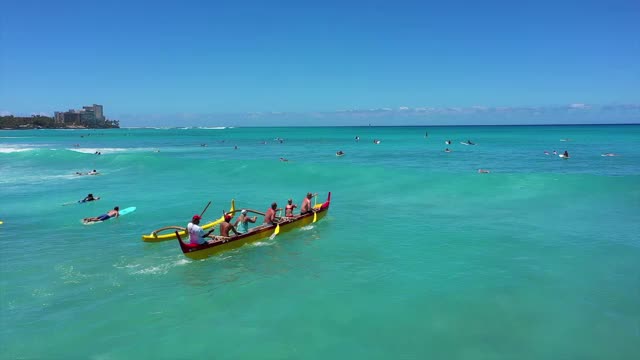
202, 251
154, 237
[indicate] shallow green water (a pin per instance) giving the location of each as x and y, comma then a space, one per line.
420, 256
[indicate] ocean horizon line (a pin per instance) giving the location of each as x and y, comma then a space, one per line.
369, 126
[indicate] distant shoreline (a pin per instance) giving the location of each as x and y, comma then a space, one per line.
45, 122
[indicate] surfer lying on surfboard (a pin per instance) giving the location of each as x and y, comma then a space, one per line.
89, 197
111, 213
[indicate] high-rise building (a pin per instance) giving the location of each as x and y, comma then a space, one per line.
97, 109
92, 116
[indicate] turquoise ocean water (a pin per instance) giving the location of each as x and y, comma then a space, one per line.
419, 256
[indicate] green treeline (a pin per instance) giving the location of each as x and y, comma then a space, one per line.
45, 122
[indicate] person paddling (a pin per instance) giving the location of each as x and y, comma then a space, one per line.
270, 215
197, 236
110, 214
89, 198
242, 223
288, 210
225, 227
306, 204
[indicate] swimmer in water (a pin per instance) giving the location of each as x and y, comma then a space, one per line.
483, 171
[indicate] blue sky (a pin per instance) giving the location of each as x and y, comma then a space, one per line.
323, 63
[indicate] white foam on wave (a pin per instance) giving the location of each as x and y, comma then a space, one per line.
104, 151
306, 228
182, 262
263, 243
213, 128
9, 150
101, 150
152, 270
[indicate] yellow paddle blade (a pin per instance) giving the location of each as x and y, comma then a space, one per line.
277, 230
315, 217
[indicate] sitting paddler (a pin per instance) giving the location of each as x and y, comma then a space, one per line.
306, 204
242, 223
288, 210
270, 215
197, 236
225, 227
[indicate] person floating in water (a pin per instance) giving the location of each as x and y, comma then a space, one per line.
93, 172
426, 134
483, 171
447, 150
470, 142
448, 142
357, 138
339, 153
283, 159
566, 154
89, 197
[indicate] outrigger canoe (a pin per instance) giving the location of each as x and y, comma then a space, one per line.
202, 251
154, 237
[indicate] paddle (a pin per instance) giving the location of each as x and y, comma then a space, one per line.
205, 208
315, 202
276, 232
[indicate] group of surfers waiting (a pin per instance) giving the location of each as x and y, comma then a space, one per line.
198, 236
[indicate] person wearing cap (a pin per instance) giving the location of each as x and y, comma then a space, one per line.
197, 236
111, 213
306, 204
242, 223
270, 215
226, 226
288, 210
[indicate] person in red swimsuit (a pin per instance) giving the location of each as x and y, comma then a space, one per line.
288, 210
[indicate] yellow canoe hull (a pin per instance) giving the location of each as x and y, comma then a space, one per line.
154, 237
